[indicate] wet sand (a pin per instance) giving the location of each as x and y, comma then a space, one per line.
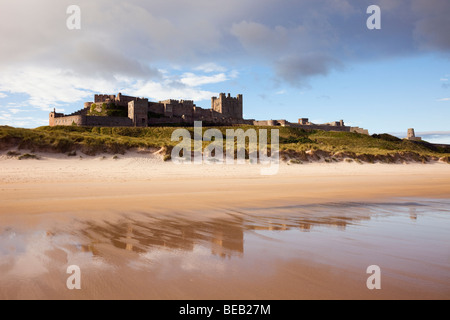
142, 229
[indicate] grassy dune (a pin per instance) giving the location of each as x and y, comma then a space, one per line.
296, 145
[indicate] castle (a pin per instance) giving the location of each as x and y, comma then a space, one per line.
127, 111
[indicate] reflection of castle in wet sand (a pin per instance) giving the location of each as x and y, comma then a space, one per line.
290, 253
413, 213
224, 236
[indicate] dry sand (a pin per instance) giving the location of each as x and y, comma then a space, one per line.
100, 188
142, 182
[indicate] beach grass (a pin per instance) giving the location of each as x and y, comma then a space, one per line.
295, 143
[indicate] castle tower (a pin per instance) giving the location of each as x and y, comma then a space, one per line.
138, 112
52, 116
228, 106
303, 121
410, 134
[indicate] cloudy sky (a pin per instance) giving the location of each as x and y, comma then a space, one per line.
289, 58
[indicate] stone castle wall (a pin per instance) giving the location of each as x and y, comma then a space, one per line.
103, 98
305, 124
80, 120
359, 130
122, 100
180, 109
228, 106
52, 118
156, 107
106, 121
68, 121
322, 127
165, 121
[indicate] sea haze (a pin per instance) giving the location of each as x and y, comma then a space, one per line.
439, 137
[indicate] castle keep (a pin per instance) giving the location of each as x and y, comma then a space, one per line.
228, 106
126, 111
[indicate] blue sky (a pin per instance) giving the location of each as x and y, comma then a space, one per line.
290, 59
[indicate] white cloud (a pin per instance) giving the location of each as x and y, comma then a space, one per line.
444, 99
5, 115
15, 110
12, 118
193, 80
161, 91
2, 95
210, 67
233, 74
47, 88
443, 79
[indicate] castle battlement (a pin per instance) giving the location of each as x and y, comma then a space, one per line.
101, 98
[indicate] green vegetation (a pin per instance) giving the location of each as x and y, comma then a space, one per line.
386, 137
110, 110
93, 109
116, 111
13, 154
295, 144
28, 156
295, 161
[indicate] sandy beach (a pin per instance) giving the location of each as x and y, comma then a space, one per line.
140, 181
61, 208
